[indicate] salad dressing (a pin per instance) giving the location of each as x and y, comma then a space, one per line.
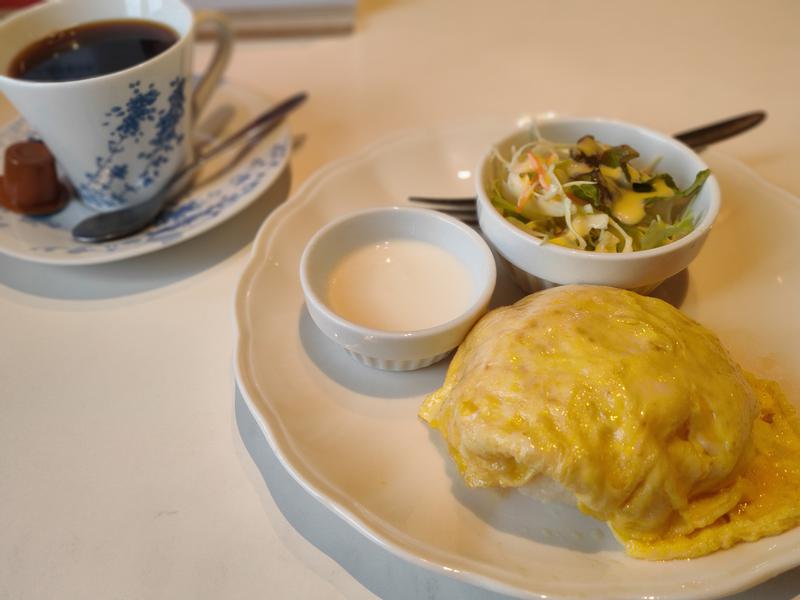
629, 208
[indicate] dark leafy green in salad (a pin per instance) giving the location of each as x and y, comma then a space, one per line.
590, 196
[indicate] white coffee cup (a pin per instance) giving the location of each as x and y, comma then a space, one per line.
119, 137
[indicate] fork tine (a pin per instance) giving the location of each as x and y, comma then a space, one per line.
443, 201
462, 208
465, 215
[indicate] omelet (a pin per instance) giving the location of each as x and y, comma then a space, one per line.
632, 408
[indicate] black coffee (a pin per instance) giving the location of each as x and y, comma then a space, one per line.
91, 50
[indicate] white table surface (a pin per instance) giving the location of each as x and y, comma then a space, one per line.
130, 466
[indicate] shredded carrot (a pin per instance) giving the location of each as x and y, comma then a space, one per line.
540, 170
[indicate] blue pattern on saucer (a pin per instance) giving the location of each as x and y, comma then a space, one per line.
180, 220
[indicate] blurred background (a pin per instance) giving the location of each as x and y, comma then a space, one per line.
254, 18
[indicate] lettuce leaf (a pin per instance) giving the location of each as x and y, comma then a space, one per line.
587, 192
673, 208
694, 189
659, 233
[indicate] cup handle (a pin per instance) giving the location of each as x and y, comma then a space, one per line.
223, 35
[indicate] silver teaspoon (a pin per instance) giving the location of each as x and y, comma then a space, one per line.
107, 226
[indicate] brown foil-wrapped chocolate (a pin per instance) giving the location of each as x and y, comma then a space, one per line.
29, 184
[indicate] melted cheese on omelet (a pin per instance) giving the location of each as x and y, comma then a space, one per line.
631, 406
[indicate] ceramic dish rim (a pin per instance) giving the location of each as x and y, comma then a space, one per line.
270, 424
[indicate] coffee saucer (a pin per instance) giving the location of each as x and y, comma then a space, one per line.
212, 201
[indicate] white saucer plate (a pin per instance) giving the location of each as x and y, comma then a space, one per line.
213, 200
350, 435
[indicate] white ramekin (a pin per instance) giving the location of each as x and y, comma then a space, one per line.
395, 350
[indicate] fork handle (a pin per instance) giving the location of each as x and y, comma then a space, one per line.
721, 130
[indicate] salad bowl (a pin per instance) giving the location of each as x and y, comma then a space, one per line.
536, 263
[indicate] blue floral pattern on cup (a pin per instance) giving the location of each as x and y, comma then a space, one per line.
114, 178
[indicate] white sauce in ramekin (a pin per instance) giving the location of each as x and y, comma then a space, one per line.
400, 285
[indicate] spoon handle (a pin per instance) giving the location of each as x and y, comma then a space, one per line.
721, 130
268, 118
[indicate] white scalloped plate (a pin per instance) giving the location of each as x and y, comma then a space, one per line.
350, 435
212, 202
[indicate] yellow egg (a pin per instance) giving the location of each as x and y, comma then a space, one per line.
634, 409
